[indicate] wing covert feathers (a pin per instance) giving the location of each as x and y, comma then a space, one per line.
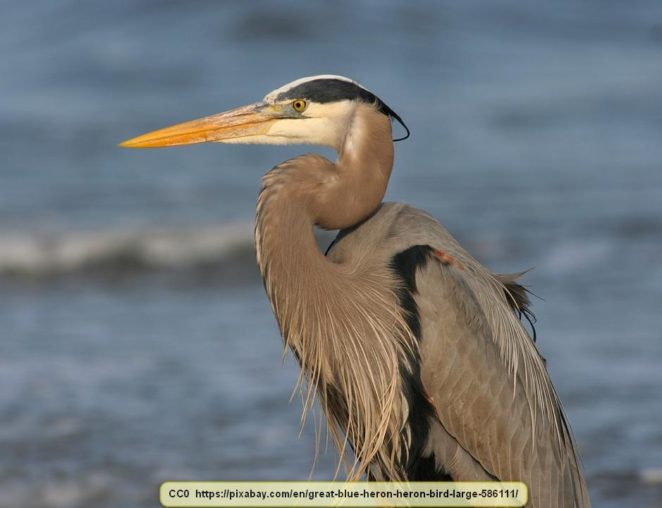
488, 382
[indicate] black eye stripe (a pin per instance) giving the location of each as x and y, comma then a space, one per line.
331, 90
328, 90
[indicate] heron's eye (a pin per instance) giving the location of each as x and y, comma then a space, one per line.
299, 105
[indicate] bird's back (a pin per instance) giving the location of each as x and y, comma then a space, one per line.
480, 403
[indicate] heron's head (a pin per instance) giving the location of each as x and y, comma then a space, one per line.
316, 110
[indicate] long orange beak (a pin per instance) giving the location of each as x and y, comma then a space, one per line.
234, 126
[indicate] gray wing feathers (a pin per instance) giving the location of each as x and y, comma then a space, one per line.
484, 374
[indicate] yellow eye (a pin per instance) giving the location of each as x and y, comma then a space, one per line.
299, 105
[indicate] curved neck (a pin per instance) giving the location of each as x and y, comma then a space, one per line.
341, 320
311, 190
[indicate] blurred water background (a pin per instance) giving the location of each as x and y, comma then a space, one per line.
137, 344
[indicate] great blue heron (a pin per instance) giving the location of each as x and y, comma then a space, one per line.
415, 350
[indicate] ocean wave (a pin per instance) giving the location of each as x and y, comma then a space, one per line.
46, 254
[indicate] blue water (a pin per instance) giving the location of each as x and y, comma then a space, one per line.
137, 343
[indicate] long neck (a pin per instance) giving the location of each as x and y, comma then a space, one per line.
311, 190
341, 321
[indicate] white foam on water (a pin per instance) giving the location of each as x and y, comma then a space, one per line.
41, 253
